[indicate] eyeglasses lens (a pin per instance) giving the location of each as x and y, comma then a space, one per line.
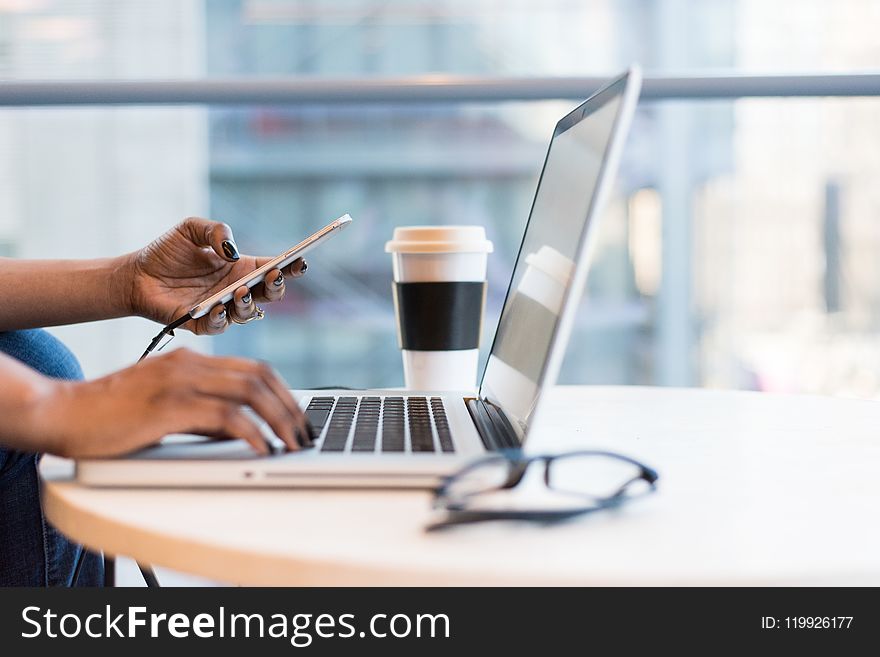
594, 476
483, 477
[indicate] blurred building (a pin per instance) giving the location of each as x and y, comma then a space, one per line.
92, 182
283, 171
740, 250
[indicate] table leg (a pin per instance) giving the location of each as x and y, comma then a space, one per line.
149, 576
109, 571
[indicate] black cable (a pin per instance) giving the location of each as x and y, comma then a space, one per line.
168, 330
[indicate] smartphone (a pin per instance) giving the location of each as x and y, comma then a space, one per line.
256, 276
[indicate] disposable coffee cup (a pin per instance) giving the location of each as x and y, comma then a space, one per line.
439, 294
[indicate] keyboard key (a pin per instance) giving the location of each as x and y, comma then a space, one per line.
340, 425
317, 417
393, 442
442, 425
420, 435
367, 425
393, 437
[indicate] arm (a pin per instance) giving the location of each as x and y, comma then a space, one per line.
22, 390
39, 293
161, 282
179, 392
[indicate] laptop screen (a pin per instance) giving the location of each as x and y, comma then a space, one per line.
545, 266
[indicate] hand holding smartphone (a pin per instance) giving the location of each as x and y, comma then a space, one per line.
250, 280
279, 262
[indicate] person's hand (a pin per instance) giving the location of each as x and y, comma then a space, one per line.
178, 392
190, 262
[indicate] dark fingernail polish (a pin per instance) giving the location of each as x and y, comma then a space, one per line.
230, 250
305, 266
221, 315
278, 281
300, 438
246, 298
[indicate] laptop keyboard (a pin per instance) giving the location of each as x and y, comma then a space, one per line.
381, 424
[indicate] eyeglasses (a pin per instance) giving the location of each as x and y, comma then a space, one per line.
574, 483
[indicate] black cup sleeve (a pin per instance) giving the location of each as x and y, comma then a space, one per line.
445, 316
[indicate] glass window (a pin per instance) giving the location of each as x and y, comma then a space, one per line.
739, 251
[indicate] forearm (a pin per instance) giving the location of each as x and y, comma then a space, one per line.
23, 388
38, 293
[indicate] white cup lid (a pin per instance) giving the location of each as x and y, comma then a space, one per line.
439, 239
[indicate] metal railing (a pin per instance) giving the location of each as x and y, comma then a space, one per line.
426, 88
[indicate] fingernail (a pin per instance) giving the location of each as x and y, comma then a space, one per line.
246, 299
303, 441
230, 250
221, 316
278, 281
305, 265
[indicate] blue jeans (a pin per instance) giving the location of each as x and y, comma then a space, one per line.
32, 552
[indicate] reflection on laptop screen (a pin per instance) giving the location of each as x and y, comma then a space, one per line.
545, 265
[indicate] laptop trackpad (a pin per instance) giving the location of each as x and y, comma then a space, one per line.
198, 448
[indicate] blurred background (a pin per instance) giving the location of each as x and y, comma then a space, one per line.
740, 250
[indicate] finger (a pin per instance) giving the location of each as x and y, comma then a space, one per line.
208, 416
240, 425
214, 323
213, 234
248, 388
296, 268
276, 384
302, 426
243, 306
273, 287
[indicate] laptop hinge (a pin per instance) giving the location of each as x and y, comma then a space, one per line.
494, 429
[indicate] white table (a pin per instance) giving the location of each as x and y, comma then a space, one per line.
754, 489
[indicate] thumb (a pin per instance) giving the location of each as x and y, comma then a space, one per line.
214, 234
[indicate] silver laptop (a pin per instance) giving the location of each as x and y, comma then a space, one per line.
382, 438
